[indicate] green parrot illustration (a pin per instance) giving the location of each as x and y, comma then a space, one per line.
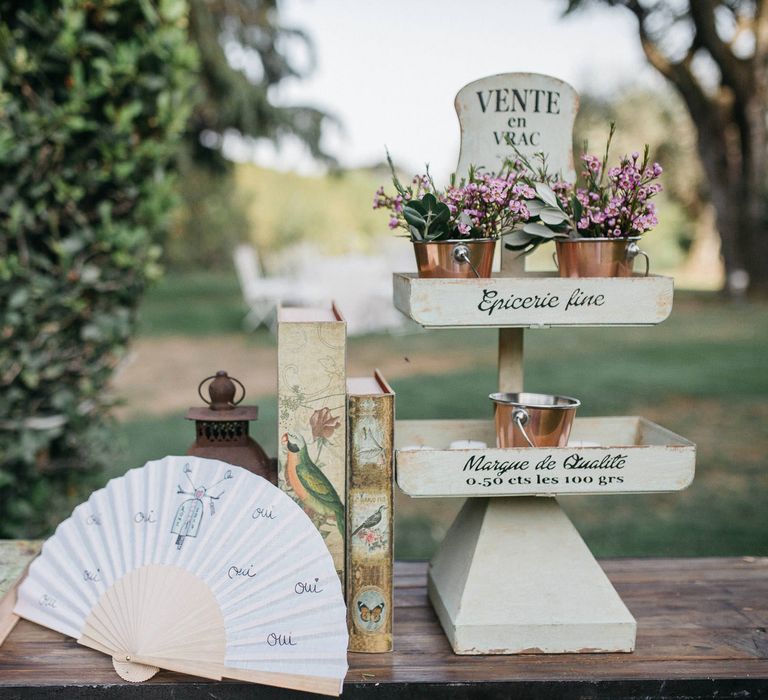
309, 483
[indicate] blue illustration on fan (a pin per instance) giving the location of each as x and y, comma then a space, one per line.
188, 517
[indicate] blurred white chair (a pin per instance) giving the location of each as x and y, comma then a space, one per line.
360, 285
263, 294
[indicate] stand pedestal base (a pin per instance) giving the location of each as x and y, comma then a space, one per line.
514, 576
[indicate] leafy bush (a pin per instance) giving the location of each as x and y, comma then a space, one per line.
94, 97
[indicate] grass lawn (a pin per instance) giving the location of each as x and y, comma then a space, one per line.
194, 304
702, 373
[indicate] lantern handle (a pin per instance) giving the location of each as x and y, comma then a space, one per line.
214, 376
242, 388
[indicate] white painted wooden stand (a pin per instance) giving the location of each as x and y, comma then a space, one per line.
513, 575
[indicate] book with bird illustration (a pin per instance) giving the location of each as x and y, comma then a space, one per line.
312, 419
370, 490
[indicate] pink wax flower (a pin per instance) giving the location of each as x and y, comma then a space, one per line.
482, 205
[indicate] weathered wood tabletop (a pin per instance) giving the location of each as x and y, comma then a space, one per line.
702, 632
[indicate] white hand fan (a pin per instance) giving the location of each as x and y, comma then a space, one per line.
199, 567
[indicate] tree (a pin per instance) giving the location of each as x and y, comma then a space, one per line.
239, 98
715, 54
235, 97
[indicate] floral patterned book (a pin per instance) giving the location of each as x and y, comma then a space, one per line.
371, 407
312, 419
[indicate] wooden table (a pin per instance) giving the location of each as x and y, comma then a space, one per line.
702, 632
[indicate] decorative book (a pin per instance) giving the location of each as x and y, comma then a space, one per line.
15, 556
199, 567
312, 430
369, 513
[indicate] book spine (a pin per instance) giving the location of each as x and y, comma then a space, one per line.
370, 523
312, 426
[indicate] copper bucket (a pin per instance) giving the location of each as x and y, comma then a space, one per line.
598, 257
464, 259
533, 420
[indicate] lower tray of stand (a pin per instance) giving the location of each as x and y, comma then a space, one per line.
624, 454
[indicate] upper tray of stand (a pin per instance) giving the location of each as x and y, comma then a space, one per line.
533, 301
605, 455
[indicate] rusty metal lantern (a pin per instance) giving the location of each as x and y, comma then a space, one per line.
222, 428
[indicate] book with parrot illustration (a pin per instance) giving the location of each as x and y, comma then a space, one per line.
370, 491
312, 418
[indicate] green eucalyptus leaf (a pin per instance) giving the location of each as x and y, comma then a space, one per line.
534, 206
551, 215
433, 213
539, 230
436, 234
429, 201
525, 249
521, 242
416, 204
546, 194
414, 218
517, 238
577, 208
442, 214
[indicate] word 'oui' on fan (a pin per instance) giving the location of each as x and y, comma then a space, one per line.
199, 567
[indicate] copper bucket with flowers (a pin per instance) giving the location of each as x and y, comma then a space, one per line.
454, 230
597, 222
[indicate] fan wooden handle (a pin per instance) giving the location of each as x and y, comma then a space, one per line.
133, 672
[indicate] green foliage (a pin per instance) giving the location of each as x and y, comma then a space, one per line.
93, 99
233, 99
427, 218
548, 221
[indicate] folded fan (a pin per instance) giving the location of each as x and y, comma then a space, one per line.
196, 566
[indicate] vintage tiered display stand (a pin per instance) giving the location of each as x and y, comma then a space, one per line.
513, 574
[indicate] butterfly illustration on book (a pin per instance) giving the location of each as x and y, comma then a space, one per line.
370, 615
189, 515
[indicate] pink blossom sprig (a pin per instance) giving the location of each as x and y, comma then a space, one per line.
615, 203
418, 187
605, 203
488, 205
483, 205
